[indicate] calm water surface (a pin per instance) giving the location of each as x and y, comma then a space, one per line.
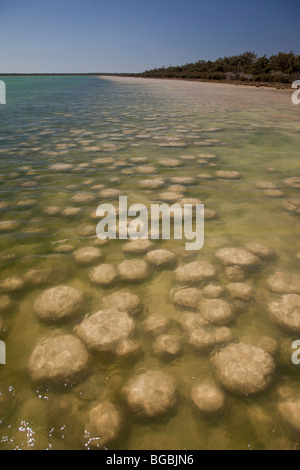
81, 120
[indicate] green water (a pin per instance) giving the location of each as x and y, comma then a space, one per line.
77, 120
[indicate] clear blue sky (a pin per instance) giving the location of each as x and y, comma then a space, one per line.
134, 35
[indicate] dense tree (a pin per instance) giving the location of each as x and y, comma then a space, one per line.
283, 67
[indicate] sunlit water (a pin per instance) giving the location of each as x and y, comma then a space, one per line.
80, 119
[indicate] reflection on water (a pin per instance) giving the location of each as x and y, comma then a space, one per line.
70, 144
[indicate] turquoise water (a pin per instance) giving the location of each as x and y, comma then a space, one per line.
100, 127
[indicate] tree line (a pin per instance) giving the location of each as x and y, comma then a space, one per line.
248, 67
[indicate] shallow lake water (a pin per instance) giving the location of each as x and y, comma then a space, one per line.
115, 133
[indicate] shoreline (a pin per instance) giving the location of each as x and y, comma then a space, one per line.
258, 86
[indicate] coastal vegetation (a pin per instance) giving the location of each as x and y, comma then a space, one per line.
282, 68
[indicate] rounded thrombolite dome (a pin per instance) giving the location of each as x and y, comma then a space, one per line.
87, 256
208, 398
167, 345
151, 184
284, 283
213, 291
243, 369
61, 359
228, 175
235, 273
293, 182
196, 272
134, 270
156, 324
83, 198
61, 167
186, 297
238, 257
124, 302
216, 311
262, 251
285, 312
138, 247
161, 258
103, 425
106, 330
60, 303
103, 275
204, 338
150, 394
8, 226
240, 291
292, 205
289, 410
5, 303
11, 284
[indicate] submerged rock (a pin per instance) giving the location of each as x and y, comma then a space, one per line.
268, 344
104, 331
11, 284
161, 258
110, 193
137, 247
293, 182
183, 180
8, 226
208, 398
187, 297
156, 324
290, 413
61, 167
238, 257
213, 291
286, 313
243, 369
216, 311
284, 283
196, 272
124, 302
128, 348
71, 212
262, 251
190, 321
167, 345
134, 271
103, 275
5, 303
169, 196
60, 303
152, 184
87, 256
292, 205
52, 210
206, 337
266, 185
61, 359
103, 425
235, 273
83, 198
240, 291
170, 163
229, 175
150, 394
